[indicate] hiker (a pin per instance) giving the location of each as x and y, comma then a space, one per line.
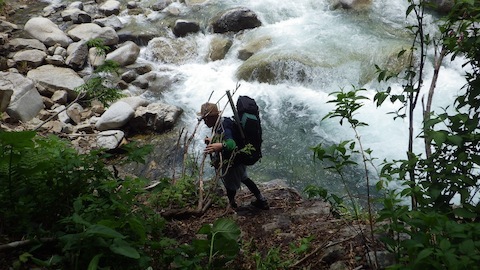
224, 142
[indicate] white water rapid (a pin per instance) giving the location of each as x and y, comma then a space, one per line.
347, 44
344, 44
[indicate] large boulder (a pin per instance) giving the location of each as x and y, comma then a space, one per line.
235, 20
25, 102
352, 4
157, 117
30, 58
276, 67
116, 116
5, 97
110, 139
110, 21
46, 31
110, 7
126, 54
219, 46
172, 51
51, 78
88, 31
77, 55
76, 15
184, 27
18, 44
253, 47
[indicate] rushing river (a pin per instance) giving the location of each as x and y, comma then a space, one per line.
344, 44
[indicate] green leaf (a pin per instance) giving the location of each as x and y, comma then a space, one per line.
227, 228
22, 139
425, 253
121, 247
205, 229
138, 227
445, 244
93, 265
439, 137
464, 213
455, 139
103, 231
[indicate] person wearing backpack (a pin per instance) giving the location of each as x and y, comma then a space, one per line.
221, 147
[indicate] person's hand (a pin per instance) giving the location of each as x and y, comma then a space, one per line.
214, 147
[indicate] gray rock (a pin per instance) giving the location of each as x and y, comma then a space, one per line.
116, 116
76, 4
253, 47
5, 96
110, 7
62, 114
8, 27
126, 54
172, 51
32, 58
60, 97
56, 60
352, 4
235, 20
110, 139
110, 21
219, 47
156, 117
88, 31
75, 113
184, 27
52, 78
76, 16
275, 68
95, 58
135, 102
77, 55
18, 44
25, 101
159, 5
46, 31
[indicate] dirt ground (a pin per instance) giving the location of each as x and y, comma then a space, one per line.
336, 243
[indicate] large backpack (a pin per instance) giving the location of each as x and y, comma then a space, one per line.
251, 145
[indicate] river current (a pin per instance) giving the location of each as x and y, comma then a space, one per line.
345, 45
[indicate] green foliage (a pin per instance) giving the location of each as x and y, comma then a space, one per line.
48, 189
441, 231
179, 195
272, 260
38, 171
216, 246
276, 258
221, 243
109, 226
98, 44
99, 85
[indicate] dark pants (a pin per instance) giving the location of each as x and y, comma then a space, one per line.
236, 175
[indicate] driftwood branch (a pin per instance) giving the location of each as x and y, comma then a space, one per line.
23, 243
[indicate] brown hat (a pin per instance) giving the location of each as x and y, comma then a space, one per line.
208, 109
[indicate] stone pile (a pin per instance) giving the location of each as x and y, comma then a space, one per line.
44, 62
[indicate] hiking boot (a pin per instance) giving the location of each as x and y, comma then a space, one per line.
261, 204
233, 205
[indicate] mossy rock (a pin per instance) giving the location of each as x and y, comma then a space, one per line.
274, 68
